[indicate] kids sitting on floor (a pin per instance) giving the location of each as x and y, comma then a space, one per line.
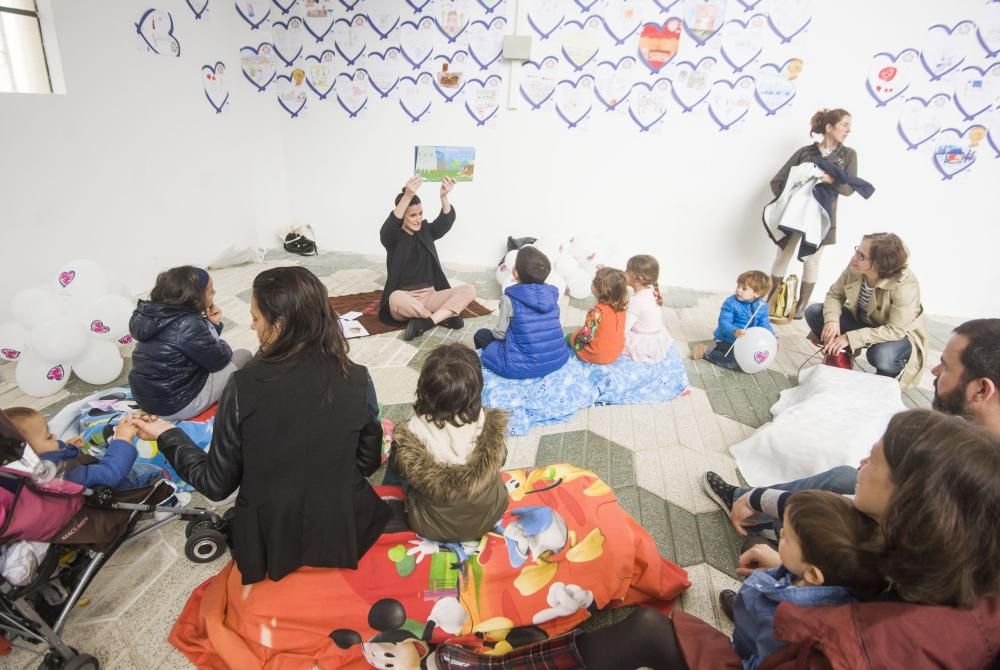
602, 338
742, 310
527, 340
830, 555
646, 338
449, 455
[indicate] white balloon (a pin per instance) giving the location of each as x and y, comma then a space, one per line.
756, 349
35, 304
107, 317
100, 364
80, 277
566, 265
557, 280
58, 339
579, 284
38, 377
13, 341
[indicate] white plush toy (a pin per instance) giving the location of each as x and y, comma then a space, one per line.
574, 262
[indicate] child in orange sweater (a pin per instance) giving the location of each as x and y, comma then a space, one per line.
602, 338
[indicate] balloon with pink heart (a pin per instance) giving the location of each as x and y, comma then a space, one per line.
945, 48
106, 317
889, 75
38, 377
100, 364
13, 341
756, 350
80, 278
956, 150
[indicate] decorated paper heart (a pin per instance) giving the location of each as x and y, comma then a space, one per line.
956, 149
889, 75
658, 44
692, 82
349, 5
66, 277
97, 326
416, 41
574, 100
976, 90
647, 103
730, 101
417, 5
320, 75
580, 42
742, 41
383, 70
665, 5
585, 5
56, 373
545, 16
992, 119
352, 92
920, 119
416, 95
703, 19
945, 48
486, 41
156, 33
776, 84
383, 21
988, 29
319, 18
761, 356
10, 354
250, 11
350, 38
490, 5
788, 18
451, 18
287, 39
126, 339
621, 19
450, 79
259, 65
198, 7
213, 81
284, 5
539, 80
613, 81
482, 99
750, 5
291, 96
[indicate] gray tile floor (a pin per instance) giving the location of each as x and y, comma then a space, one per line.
652, 455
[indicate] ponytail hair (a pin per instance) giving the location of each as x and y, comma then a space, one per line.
415, 200
657, 294
824, 117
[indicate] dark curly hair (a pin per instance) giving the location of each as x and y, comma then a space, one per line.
182, 287
888, 253
450, 386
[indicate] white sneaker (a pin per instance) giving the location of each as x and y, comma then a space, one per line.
178, 499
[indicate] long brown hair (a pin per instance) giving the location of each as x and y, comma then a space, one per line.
181, 286
611, 289
819, 120
646, 269
450, 386
297, 304
942, 544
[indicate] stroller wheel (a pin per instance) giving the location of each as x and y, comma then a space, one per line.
194, 525
82, 662
205, 545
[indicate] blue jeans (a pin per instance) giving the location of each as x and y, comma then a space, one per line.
141, 475
888, 358
717, 356
842, 479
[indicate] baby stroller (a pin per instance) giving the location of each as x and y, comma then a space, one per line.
84, 528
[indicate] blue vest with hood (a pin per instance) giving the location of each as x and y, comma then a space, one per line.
534, 345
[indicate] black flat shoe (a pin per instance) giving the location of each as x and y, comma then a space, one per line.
416, 328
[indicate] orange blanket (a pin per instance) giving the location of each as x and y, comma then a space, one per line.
564, 549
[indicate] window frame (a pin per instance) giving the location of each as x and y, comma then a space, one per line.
50, 49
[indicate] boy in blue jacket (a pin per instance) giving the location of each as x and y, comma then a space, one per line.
744, 309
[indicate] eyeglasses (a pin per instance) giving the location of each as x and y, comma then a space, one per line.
860, 256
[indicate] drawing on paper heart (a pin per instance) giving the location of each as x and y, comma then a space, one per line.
383, 23
125, 339
320, 76
383, 70
920, 119
66, 278
319, 18
259, 65
451, 18
889, 75
743, 41
988, 29
775, 84
156, 30
97, 326
976, 89
647, 103
449, 81
730, 101
613, 81
349, 38
482, 100
490, 5
213, 81
574, 100
352, 92
417, 6
194, 7
286, 6
486, 41
658, 44
56, 373
539, 80
749, 5
580, 42
287, 39
620, 22
349, 5
416, 41
545, 17
292, 93
692, 82
761, 356
788, 18
248, 11
956, 150
944, 48
415, 96
10, 354
665, 5
704, 18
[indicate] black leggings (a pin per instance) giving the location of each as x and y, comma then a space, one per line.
644, 639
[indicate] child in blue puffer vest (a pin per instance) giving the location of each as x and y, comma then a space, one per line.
528, 339
744, 309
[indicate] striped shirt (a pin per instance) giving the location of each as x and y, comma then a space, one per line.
864, 297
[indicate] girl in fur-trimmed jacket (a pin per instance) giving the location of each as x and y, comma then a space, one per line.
449, 455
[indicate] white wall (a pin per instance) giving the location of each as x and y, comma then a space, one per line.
132, 168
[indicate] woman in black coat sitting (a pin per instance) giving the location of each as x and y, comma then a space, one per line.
297, 431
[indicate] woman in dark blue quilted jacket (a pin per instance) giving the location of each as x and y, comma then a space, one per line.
180, 364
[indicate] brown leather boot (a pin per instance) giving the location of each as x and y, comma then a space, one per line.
804, 293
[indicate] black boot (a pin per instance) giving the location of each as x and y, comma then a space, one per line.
416, 328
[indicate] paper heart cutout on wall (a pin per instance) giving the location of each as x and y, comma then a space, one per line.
621, 20
539, 80
730, 101
350, 38
319, 18
194, 6
416, 95
486, 41
889, 75
585, 5
349, 5
383, 22
945, 48
451, 18
383, 70
658, 44
490, 5
988, 29
691, 83
613, 81
665, 5
920, 119
56, 373
291, 96
285, 6
750, 5
743, 41
647, 103
416, 41
66, 277
155, 29
287, 38
215, 84
450, 80
352, 92
788, 18
976, 90
580, 42
992, 120
247, 9
545, 16
956, 150
417, 6
703, 19
775, 85
259, 65
574, 100
482, 99
320, 74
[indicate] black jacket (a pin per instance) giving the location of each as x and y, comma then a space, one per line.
176, 350
392, 235
299, 461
